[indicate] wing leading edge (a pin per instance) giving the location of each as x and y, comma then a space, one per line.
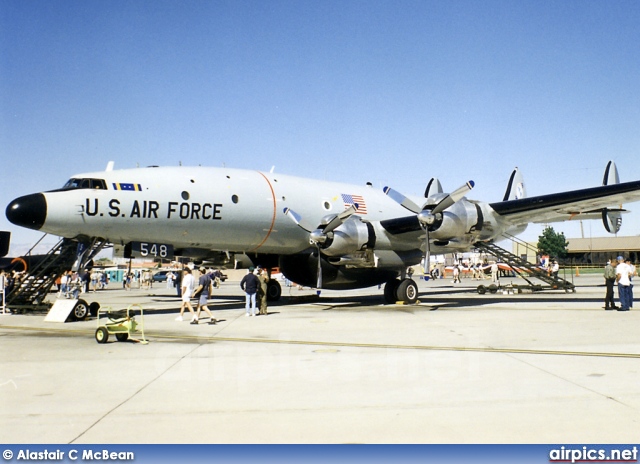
566, 205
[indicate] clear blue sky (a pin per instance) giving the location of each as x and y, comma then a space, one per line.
392, 92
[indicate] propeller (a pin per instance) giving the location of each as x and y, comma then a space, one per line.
428, 214
320, 235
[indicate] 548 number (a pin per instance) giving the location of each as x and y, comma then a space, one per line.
157, 250
147, 249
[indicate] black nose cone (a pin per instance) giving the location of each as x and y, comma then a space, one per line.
29, 211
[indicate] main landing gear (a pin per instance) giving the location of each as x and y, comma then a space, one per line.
274, 290
405, 290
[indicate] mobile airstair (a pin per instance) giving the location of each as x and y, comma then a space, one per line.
30, 291
524, 269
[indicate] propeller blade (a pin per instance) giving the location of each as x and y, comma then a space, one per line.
295, 217
453, 197
427, 252
339, 218
319, 281
402, 200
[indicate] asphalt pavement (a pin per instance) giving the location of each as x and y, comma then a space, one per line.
458, 367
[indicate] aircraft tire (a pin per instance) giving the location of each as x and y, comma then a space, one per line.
481, 289
102, 335
407, 291
122, 336
390, 291
274, 290
80, 311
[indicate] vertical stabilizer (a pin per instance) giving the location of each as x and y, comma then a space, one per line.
611, 176
434, 186
515, 187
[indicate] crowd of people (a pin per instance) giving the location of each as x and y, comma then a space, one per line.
459, 270
11, 280
71, 284
253, 284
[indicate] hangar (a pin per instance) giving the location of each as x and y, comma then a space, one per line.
590, 250
597, 250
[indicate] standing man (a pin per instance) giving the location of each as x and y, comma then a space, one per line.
188, 284
632, 274
64, 284
609, 280
263, 277
203, 291
250, 284
456, 274
494, 272
624, 283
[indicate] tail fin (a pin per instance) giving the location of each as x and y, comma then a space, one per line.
515, 187
434, 186
611, 176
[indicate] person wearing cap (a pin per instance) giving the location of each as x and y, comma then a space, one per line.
203, 292
609, 280
249, 285
623, 272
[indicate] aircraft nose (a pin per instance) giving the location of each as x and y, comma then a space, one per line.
29, 211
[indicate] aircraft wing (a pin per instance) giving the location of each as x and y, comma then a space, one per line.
584, 204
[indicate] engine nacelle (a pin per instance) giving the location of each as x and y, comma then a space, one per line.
352, 236
457, 221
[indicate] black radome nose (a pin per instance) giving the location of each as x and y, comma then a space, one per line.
29, 211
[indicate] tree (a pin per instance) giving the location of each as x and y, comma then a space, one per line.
552, 243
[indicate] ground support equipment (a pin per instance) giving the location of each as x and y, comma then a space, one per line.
524, 269
120, 323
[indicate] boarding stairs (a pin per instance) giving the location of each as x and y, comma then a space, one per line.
524, 268
30, 292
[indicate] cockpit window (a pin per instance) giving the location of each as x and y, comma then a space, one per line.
72, 184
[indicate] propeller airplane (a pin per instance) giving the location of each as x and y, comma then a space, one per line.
320, 234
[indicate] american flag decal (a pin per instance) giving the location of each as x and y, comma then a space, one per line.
129, 187
351, 199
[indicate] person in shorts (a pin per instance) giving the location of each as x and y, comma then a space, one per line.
204, 290
188, 284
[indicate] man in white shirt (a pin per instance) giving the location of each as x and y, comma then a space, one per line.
623, 273
188, 285
632, 274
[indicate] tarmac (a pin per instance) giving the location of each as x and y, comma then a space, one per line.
458, 367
